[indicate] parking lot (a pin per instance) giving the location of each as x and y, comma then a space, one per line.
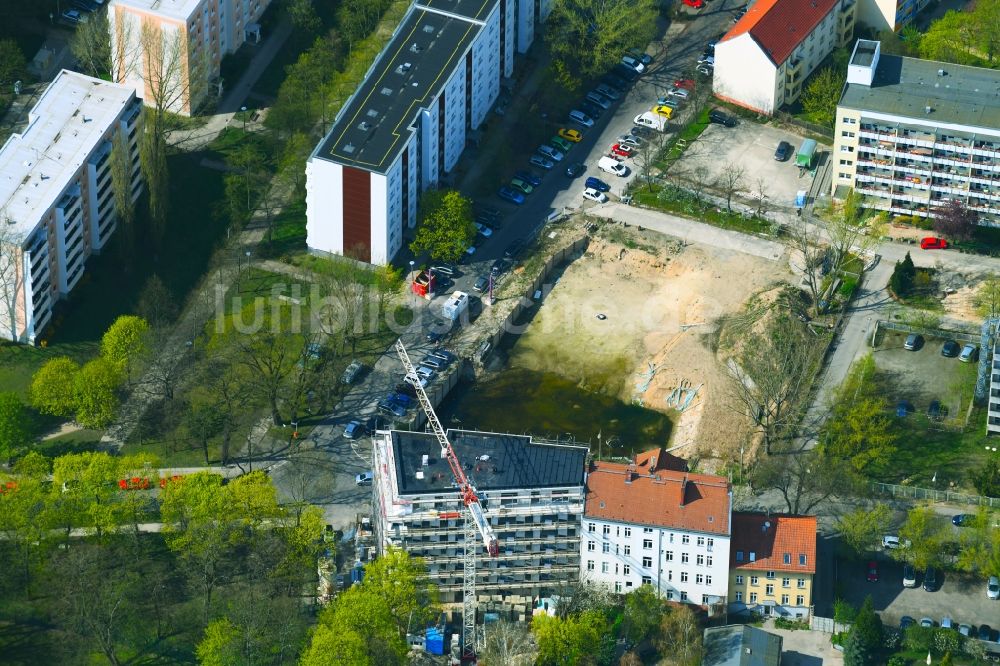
751, 146
962, 599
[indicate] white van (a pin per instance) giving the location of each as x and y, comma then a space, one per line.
650, 119
611, 165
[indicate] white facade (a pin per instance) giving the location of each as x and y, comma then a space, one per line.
993, 401
745, 75
889, 14
57, 196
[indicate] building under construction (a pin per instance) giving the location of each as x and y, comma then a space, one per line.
533, 496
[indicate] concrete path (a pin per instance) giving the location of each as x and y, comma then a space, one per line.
691, 231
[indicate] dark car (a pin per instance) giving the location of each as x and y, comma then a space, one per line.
482, 282
597, 184
498, 267
934, 410
950, 349
985, 632
391, 408
717, 116
406, 389
962, 519
642, 131
904, 408
86, 5
615, 82
783, 151
514, 249
401, 399
625, 72
575, 169
913, 342
532, 178
930, 579
906, 621
591, 110
872, 572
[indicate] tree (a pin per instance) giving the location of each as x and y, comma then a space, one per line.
15, 425
643, 612
859, 429
804, 478
856, 653
868, 627
587, 37
986, 27
506, 644
95, 387
156, 303
956, 220
52, 387
808, 243
91, 45
121, 185
852, 230
821, 95
903, 277
570, 640
986, 477
681, 636
11, 275
12, 63
400, 581
219, 645
951, 38
862, 528
730, 181
927, 532
304, 16
446, 228
24, 518
987, 298
978, 545
125, 341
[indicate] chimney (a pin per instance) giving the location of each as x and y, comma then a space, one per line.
652, 463
425, 460
684, 487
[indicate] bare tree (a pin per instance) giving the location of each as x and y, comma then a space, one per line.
91, 44
121, 186
730, 181
12, 271
804, 478
761, 190
507, 644
348, 299
808, 244
681, 636
851, 230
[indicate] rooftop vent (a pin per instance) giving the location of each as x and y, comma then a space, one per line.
941, 72
928, 109
428, 28
386, 91
425, 460
766, 526
349, 148
420, 475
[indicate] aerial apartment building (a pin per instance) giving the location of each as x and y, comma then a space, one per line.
406, 125
889, 14
532, 492
650, 522
57, 197
762, 61
181, 40
913, 135
772, 564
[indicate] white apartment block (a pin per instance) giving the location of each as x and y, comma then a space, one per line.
407, 124
889, 14
649, 523
56, 194
192, 36
532, 493
763, 60
992, 363
913, 135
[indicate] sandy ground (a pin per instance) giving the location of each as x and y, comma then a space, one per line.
662, 302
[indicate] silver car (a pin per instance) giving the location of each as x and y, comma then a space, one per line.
600, 100
550, 152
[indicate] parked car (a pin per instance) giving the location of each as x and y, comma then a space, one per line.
550, 152
391, 408
707, 60
575, 169
909, 576
985, 632
965, 629
892, 542
354, 429
932, 243
591, 110
630, 139
904, 408
705, 70
482, 282
597, 98
950, 349
872, 571
621, 150
783, 151
443, 354
594, 195
927, 622
570, 134
581, 118
913, 342
633, 63
962, 519
717, 116
498, 266
906, 621
364, 479
529, 177
426, 373
509, 194
608, 91
352, 372
73, 17
597, 184
695, 4
678, 92
541, 162
623, 71
641, 56
684, 83
514, 249
970, 354
642, 131
993, 588
665, 111
406, 389
669, 101
930, 579
561, 143
935, 411
86, 5
616, 82
522, 186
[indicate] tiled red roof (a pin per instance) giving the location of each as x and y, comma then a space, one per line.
770, 538
662, 498
778, 26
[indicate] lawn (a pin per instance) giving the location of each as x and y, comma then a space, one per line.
686, 204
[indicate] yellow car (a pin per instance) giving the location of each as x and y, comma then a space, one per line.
664, 111
571, 135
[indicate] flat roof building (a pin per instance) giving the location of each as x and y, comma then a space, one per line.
741, 645
408, 122
56, 194
914, 135
532, 494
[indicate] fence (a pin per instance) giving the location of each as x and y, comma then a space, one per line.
929, 332
911, 492
827, 625
821, 130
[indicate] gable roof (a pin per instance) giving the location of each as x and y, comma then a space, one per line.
778, 26
661, 498
770, 538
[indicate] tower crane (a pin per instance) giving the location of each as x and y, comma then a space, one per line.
475, 517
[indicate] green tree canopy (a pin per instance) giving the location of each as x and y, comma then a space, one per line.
927, 532
951, 38
821, 96
446, 229
570, 640
587, 37
96, 388
16, 430
859, 429
862, 528
125, 341
643, 612
12, 64
52, 387
903, 278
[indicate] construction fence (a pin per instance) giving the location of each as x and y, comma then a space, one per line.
911, 492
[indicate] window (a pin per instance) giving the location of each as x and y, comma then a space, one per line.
802, 583
846, 149
628, 531
708, 561
647, 580
670, 576
590, 565
684, 576
628, 549
711, 543
845, 176
753, 597
708, 580
684, 596
739, 556
704, 599
671, 539
606, 547
769, 590
802, 559
849, 135
616, 568
754, 580
607, 530
739, 580
647, 544
842, 163
701, 541
670, 595
700, 560
684, 558
590, 546
784, 600
788, 556
604, 567
753, 556
739, 596
849, 121
698, 578
685, 538
647, 562
618, 586
626, 569
591, 527
786, 582
770, 574
647, 530
800, 600
618, 531
669, 556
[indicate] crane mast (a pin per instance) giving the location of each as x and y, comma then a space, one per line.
475, 518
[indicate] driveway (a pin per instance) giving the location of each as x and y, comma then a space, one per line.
921, 376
